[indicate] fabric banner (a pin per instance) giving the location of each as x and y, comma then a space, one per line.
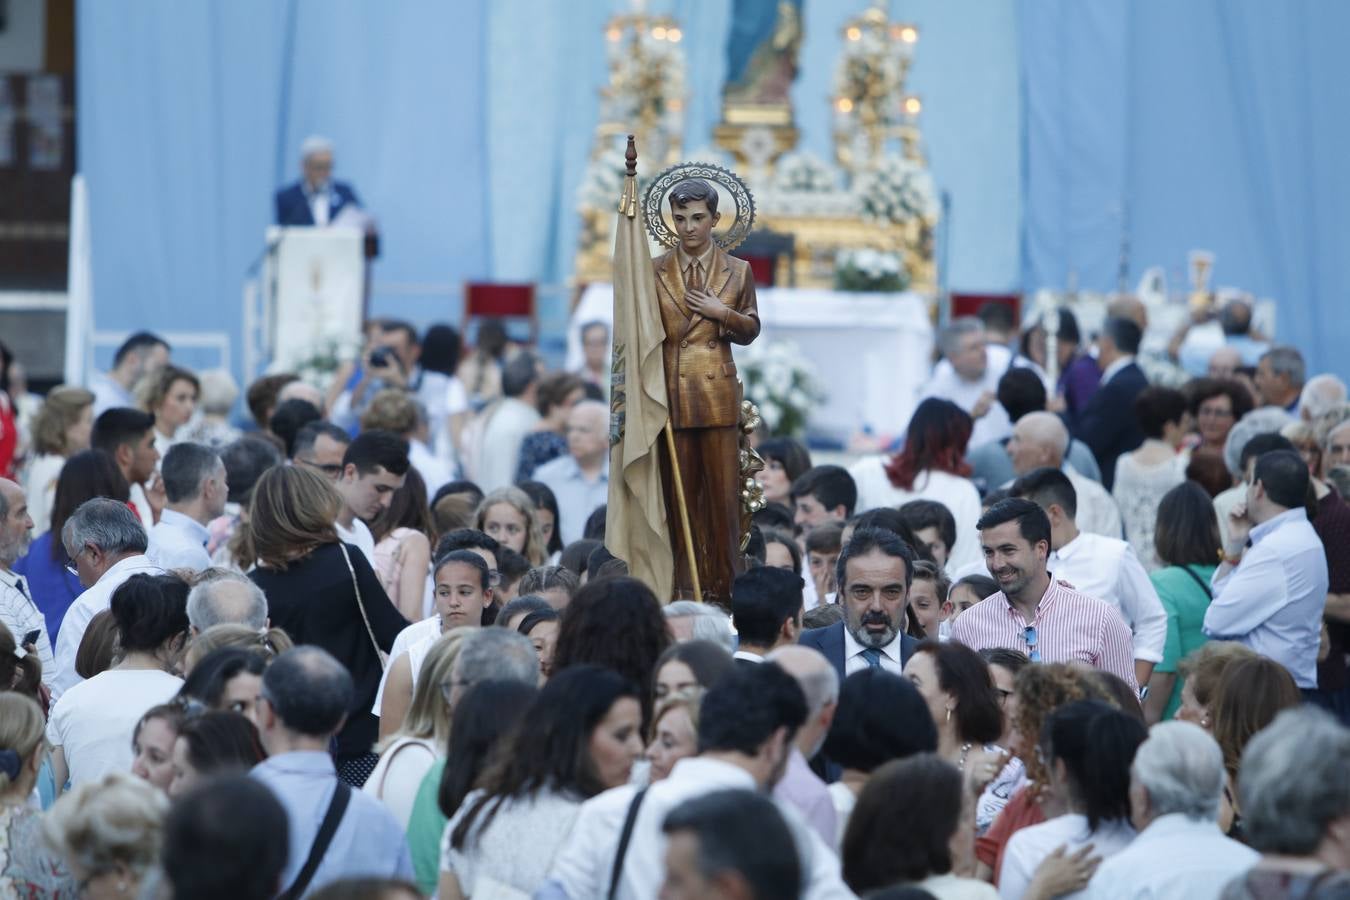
636, 529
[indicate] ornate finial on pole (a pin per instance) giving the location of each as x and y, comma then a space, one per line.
628, 203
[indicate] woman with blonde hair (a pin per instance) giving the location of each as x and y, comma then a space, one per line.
407, 756
109, 832
674, 731
30, 869
61, 429
170, 395
270, 643
507, 515
323, 592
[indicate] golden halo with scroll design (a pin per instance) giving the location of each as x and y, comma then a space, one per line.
653, 202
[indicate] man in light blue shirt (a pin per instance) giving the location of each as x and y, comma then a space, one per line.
1270, 591
141, 354
305, 697
580, 480
195, 486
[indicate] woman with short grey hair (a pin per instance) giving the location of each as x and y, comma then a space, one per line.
1295, 791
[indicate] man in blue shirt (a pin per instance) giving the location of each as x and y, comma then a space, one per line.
305, 697
1271, 588
580, 480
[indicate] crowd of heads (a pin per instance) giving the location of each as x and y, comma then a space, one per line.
547, 669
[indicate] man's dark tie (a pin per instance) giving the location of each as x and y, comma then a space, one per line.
873, 657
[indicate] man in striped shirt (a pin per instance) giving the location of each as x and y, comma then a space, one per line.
1045, 618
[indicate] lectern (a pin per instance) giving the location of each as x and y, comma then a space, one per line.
313, 286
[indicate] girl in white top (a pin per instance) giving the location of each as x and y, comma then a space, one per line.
91, 725
1088, 747
406, 757
930, 467
581, 736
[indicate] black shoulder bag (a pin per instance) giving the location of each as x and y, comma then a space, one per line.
331, 819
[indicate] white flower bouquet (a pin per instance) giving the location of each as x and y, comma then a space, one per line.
869, 270
804, 173
896, 190
782, 384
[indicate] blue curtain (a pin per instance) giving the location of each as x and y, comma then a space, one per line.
464, 126
1192, 125
191, 114
1062, 130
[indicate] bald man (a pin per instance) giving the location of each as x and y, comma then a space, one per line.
800, 786
580, 480
1040, 439
1224, 362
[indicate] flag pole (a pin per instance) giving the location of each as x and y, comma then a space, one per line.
628, 206
684, 511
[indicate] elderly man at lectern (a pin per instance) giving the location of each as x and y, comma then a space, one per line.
316, 199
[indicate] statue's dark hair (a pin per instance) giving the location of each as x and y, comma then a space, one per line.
692, 190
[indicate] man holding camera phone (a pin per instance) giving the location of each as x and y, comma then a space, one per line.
18, 612
390, 362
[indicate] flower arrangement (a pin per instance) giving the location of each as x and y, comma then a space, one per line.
781, 384
804, 173
869, 270
319, 363
896, 190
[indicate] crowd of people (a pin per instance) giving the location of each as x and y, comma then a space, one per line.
1074, 637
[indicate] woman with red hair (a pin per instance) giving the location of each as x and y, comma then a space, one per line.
932, 466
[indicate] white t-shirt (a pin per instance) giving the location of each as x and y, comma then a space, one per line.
954, 887
414, 634
358, 535
93, 720
1028, 848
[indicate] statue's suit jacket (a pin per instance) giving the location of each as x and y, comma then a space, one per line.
700, 373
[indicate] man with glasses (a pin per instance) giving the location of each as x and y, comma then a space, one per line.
1034, 612
320, 446
106, 545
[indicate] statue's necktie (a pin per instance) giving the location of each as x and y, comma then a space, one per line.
695, 277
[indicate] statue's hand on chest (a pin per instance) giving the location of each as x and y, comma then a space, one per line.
703, 303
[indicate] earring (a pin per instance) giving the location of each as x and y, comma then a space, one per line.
949, 714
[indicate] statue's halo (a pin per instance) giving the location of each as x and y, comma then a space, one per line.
729, 186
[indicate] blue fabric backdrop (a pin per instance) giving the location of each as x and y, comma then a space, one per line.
1058, 127
1193, 125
